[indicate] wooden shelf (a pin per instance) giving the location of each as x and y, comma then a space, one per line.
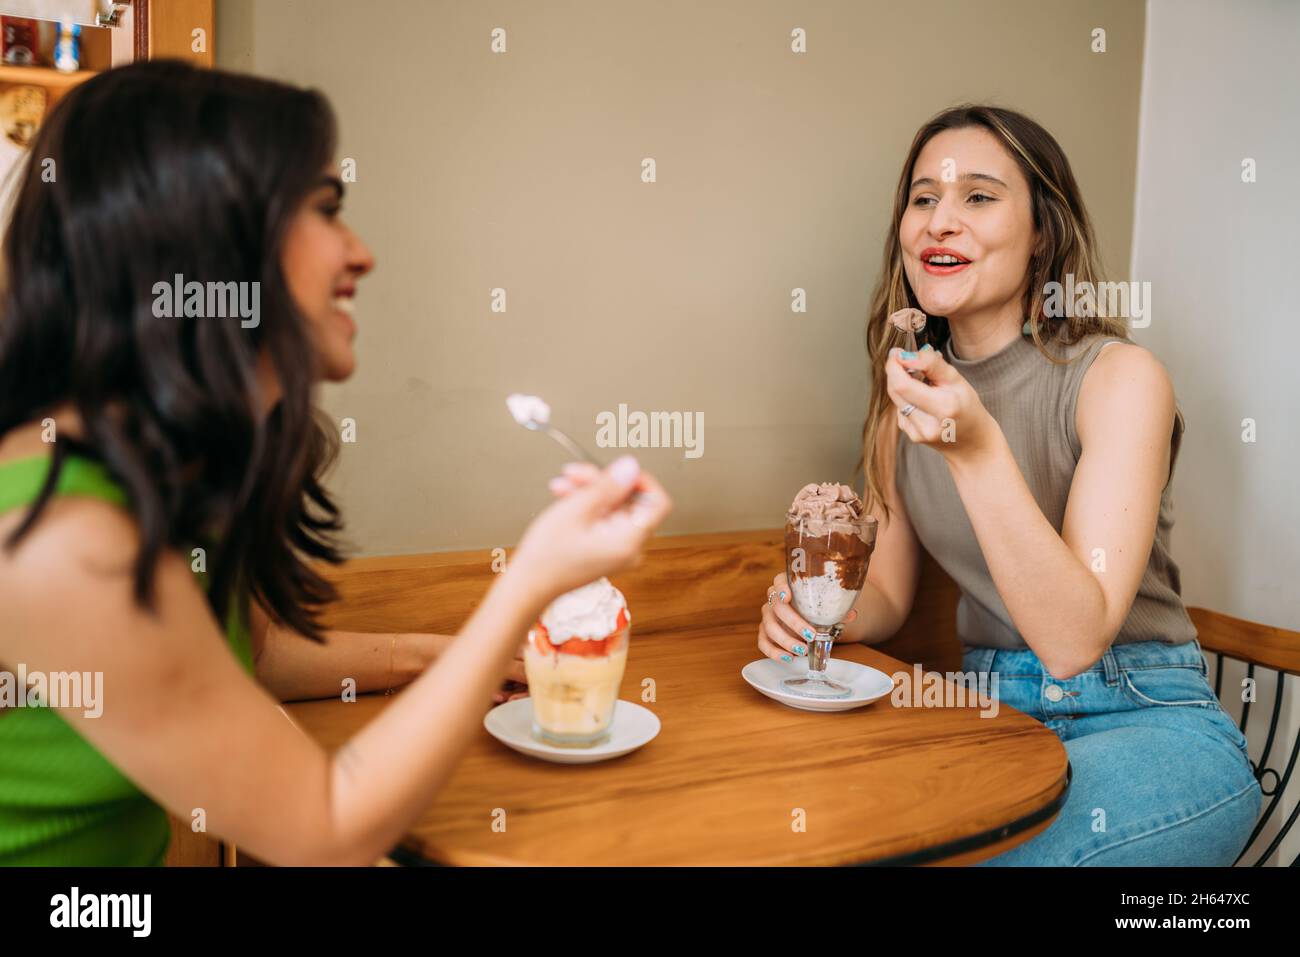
43, 76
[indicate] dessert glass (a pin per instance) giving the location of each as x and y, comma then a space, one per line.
825, 574
574, 686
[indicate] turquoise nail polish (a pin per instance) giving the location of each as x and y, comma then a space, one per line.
807, 633
786, 658
927, 348
908, 355
800, 650
783, 596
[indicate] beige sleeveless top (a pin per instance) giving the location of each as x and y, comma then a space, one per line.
1034, 403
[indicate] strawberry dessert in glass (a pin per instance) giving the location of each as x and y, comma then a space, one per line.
574, 660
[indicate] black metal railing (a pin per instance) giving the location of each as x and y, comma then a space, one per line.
1272, 783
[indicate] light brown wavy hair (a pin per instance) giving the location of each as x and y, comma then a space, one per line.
1066, 245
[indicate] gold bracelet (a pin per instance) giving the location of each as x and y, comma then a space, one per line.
391, 648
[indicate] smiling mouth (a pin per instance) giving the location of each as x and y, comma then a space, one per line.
343, 304
943, 264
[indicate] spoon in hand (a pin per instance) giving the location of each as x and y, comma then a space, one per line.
910, 322
534, 414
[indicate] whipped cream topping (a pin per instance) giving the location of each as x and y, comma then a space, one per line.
908, 320
818, 508
828, 501
590, 613
528, 408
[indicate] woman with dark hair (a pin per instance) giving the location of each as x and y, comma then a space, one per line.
178, 279
1033, 460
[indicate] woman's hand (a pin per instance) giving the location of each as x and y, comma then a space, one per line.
577, 475
782, 634
593, 530
948, 415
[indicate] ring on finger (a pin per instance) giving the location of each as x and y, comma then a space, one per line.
907, 409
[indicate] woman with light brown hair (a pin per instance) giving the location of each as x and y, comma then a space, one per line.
1034, 464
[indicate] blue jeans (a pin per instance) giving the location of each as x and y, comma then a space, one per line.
1162, 776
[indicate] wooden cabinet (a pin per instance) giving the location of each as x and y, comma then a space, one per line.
114, 32
167, 29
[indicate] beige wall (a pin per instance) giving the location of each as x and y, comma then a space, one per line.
522, 170
1236, 507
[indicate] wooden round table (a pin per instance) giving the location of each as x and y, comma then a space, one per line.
735, 778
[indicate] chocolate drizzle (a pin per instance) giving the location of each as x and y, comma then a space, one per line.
845, 547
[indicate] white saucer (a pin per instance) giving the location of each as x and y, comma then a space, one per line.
512, 724
868, 684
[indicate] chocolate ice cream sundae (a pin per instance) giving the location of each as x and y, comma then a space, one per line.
829, 539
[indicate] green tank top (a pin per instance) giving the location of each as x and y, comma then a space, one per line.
61, 801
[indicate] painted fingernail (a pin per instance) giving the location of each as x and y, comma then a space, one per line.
800, 650
927, 348
783, 596
786, 658
807, 633
908, 355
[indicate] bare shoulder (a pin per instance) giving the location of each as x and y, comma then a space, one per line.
1118, 361
72, 532
67, 603
75, 565
1125, 383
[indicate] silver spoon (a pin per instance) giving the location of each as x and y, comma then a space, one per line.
909, 322
534, 414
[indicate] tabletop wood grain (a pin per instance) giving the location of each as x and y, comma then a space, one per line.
732, 771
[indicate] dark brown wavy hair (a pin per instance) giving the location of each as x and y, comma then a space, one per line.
161, 168
1065, 245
